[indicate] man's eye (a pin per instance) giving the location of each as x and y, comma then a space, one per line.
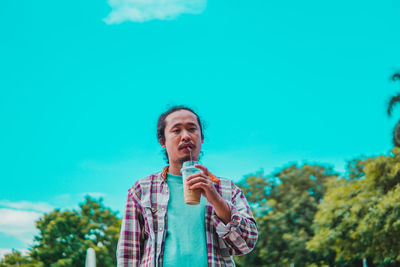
175, 131
193, 129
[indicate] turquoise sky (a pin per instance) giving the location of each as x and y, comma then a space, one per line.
82, 84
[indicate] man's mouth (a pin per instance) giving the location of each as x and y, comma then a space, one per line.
188, 146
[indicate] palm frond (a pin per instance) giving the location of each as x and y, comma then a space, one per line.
396, 76
393, 100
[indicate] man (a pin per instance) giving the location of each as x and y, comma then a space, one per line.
159, 229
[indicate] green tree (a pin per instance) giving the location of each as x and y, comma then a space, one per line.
285, 204
361, 218
15, 258
256, 188
355, 168
64, 236
393, 101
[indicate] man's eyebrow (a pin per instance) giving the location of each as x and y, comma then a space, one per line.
180, 124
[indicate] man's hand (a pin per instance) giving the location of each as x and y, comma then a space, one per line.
202, 181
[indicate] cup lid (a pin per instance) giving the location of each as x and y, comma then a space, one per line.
189, 163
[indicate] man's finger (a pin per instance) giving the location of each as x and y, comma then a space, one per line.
196, 180
201, 167
201, 185
197, 174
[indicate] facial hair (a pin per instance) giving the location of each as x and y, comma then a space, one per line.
183, 159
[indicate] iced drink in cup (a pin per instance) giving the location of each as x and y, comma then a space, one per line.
192, 197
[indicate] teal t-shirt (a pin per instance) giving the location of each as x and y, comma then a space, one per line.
185, 241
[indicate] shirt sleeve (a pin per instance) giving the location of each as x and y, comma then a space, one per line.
241, 233
129, 249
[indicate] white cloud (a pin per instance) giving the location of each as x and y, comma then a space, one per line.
19, 223
145, 10
25, 205
18, 219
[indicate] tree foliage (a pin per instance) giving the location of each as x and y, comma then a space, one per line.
15, 258
64, 236
287, 202
361, 218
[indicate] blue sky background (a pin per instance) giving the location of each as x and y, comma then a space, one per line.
82, 84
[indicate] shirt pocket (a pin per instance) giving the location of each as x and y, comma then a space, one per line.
148, 215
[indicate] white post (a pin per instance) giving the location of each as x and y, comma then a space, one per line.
90, 258
365, 262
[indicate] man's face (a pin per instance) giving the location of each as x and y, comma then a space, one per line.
182, 134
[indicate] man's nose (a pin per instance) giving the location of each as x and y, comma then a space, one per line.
185, 136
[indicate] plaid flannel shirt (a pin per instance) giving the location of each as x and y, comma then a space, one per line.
142, 236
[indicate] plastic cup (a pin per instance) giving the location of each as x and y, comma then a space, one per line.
192, 197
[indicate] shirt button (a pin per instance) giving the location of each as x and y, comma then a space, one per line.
160, 229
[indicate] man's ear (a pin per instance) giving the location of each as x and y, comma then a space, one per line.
202, 138
162, 142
